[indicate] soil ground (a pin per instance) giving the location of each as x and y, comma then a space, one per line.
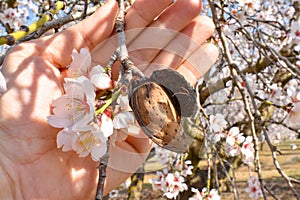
289, 161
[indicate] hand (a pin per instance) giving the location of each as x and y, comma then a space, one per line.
31, 166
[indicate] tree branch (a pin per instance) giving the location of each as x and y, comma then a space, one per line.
12, 38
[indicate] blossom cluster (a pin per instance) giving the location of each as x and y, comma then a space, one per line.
254, 188
293, 94
276, 24
212, 195
235, 144
83, 113
164, 156
12, 19
246, 23
171, 184
235, 141
15, 17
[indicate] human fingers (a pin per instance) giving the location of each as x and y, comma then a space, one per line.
173, 17
199, 63
187, 43
86, 34
163, 30
135, 149
143, 12
139, 15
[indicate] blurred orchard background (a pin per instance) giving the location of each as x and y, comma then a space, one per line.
247, 142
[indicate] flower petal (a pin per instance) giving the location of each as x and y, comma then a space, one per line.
3, 87
64, 139
98, 151
101, 81
80, 64
57, 122
122, 119
107, 126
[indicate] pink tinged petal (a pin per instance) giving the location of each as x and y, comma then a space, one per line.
101, 81
80, 101
87, 87
84, 58
171, 195
64, 139
73, 88
230, 141
63, 115
3, 87
98, 151
81, 119
99, 78
291, 91
89, 144
79, 147
57, 122
67, 112
234, 131
121, 120
298, 97
249, 139
131, 118
293, 119
124, 102
80, 64
96, 70
217, 137
80, 88
94, 129
197, 194
240, 139
107, 127
83, 154
217, 122
62, 106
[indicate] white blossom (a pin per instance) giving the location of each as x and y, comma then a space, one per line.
75, 108
217, 122
3, 87
254, 188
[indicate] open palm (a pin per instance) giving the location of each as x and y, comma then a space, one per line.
31, 167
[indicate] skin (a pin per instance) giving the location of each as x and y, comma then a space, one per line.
31, 166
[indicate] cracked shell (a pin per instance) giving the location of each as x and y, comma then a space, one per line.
159, 103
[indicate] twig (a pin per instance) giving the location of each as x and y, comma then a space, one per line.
127, 70
283, 54
214, 159
55, 24
235, 71
271, 193
102, 173
294, 180
113, 59
208, 155
86, 4
277, 165
104, 159
232, 182
12, 38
